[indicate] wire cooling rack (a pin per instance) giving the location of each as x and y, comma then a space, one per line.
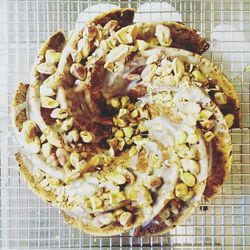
27, 222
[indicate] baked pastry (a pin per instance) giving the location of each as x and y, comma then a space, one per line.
124, 126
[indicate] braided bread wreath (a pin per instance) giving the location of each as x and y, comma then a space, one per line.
125, 126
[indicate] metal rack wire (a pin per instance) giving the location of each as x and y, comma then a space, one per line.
27, 222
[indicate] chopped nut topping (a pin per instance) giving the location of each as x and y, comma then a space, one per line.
52, 56
59, 113
220, 98
191, 165
127, 34
116, 198
29, 131
179, 67
125, 218
96, 202
46, 91
141, 45
67, 124
115, 103
103, 219
116, 177
86, 136
78, 71
46, 68
229, 120
187, 178
47, 102
46, 149
63, 157
199, 77
53, 81
163, 35
209, 135
155, 182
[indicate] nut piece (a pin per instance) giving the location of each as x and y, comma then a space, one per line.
84, 46
53, 81
74, 159
67, 124
199, 77
103, 219
132, 151
127, 34
63, 157
116, 54
125, 218
59, 113
128, 131
116, 177
119, 134
179, 67
29, 131
191, 165
46, 68
122, 112
181, 190
163, 35
205, 114
74, 135
155, 182
220, 98
47, 102
229, 120
46, 149
78, 71
86, 136
116, 198
141, 45
188, 179
53, 137
115, 103
52, 56
209, 135
96, 202
46, 91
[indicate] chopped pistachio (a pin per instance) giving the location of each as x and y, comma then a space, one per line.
52, 57
181, 190
124, 101
220, 98
188, 179
86, 136
115, 103
163, 35
128, 131
47, 102
191, 165
209, 135
116, 177
198, 76
46, 149
229, 120
141, 45
132, 151
96, 202
116, 198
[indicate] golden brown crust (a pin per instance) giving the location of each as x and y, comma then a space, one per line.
112, 229
56, 42
20, 95
32, 182
221, 164
123, 16
20, 119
